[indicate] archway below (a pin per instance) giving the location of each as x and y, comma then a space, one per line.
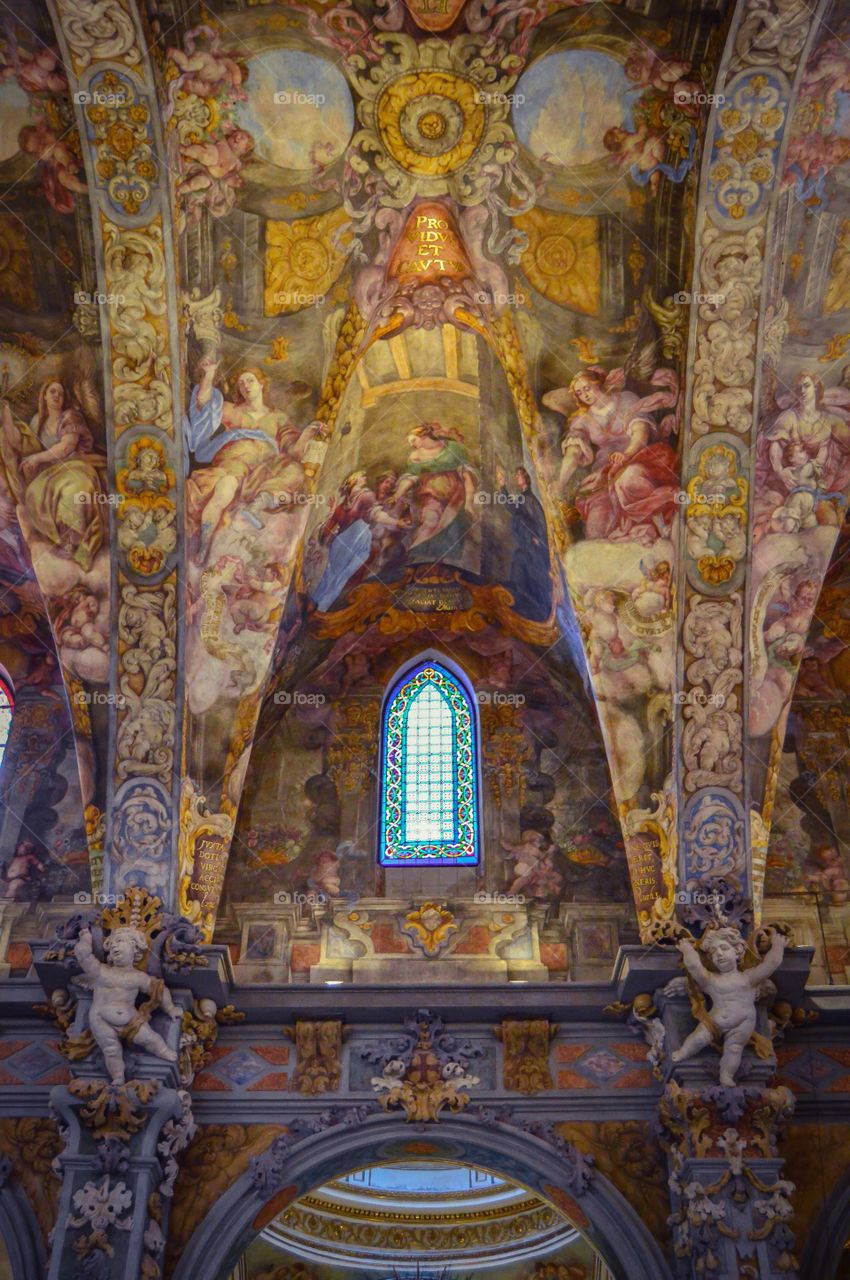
420, 1219
291, 1169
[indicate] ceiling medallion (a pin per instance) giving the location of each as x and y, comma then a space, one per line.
434, 120
431, 122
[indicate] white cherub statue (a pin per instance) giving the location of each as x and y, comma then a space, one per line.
113, 1016
733, 992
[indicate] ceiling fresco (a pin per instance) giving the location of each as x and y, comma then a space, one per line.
455, 323
337, 335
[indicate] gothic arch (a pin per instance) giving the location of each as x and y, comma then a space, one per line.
600, 1211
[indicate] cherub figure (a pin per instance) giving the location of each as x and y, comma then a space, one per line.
75, 626
114, 1016
529, 853
732, 1017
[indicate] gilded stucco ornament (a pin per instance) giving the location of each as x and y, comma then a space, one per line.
716, 516
730, 277
713, 733
771, 33
118, 125
430, 928
134, 264
99, 30
303, 260
318, 1056
525, 1054
434, 119
742, 170
145, 745
425, 1072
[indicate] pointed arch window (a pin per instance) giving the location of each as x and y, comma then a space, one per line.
7, 707
429, 771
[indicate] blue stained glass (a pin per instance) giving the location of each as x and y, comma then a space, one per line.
7, 705
429, 813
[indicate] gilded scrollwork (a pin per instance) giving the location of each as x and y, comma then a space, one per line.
145, 745
712, 740
730, 276
97, 30
135, 271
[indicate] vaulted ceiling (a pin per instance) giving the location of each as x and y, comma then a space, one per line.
335, 335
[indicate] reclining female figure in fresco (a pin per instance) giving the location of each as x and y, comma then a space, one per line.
56, 476
246, 448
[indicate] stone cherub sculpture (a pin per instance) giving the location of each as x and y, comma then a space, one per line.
114, 1016
733, 992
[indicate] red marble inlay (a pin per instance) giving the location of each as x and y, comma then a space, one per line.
276, 1053
303, 955
569, 1052
554, 955
633, 1050
8, 1047
476, 942
572, 1080
278, 1081
19, 955
640, 1078
212, 1084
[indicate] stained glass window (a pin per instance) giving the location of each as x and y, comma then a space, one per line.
7, 704
429, 787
